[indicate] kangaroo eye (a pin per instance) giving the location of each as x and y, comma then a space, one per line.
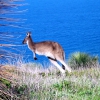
26, 34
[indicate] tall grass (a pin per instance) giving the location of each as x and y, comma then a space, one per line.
32, 82
82, 60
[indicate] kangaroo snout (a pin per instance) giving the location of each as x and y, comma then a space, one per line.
23, 42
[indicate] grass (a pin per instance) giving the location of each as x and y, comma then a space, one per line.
31, 82
82, 60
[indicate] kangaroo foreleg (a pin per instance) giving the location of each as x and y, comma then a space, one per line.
34, 56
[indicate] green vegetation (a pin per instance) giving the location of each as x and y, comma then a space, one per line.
32, 82
81, 60
78, 92
5, 82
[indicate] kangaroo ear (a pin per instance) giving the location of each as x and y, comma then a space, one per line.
28, 33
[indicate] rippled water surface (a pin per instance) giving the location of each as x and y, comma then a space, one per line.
75, 24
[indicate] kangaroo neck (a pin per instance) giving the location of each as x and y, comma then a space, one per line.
30, 42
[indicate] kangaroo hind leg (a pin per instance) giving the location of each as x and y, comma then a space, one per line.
64, 65
57, 65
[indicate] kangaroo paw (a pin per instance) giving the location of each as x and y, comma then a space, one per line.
35, 58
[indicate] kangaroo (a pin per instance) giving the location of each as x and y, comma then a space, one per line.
50, 49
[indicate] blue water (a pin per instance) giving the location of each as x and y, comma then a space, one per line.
75, 24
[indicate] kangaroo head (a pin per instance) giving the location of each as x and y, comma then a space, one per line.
27, 38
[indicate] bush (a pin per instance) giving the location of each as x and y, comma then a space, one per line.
5, 82
79, 59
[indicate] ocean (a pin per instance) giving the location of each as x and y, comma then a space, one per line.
75, 24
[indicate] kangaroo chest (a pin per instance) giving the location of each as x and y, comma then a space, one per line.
47, 54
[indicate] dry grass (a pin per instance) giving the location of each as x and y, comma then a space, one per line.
31, 82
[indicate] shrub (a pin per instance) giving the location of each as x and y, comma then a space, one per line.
79, 59
5, 82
